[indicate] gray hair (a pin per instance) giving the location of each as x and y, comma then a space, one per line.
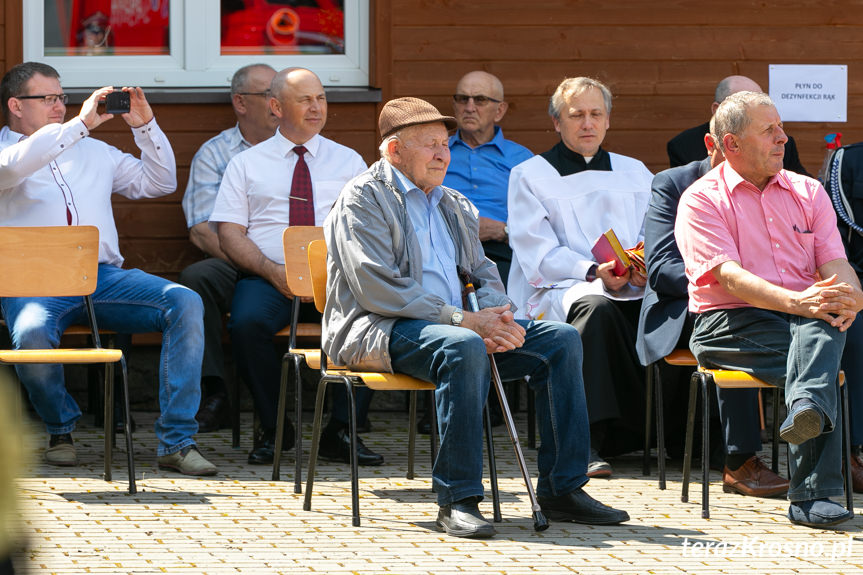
241, 77
732, 115
385, 144
573, 87
13, 82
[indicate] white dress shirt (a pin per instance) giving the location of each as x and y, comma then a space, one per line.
256, 187
554, 222
58, 176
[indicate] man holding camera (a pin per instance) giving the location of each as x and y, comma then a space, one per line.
53, 174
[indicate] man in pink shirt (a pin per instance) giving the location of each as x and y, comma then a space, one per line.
774, 291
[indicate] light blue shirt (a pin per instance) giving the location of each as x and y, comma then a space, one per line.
440, 275
482, 173
205, 173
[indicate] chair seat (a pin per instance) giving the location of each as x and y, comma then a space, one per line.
60, 356
385, 381
730, 379
303, 330
681, 357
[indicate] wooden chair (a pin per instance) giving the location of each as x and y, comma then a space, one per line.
705, 379
653, 396
374, 380
295, 242
63, 262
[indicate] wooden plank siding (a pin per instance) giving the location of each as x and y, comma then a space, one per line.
662, 60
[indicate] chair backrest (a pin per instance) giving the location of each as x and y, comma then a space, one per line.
48, 261
295, 242
318, 269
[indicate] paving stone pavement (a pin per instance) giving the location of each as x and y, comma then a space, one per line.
242, 522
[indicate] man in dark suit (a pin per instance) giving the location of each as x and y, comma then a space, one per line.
688, 145
665, 324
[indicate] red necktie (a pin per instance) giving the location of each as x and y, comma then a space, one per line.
302, 204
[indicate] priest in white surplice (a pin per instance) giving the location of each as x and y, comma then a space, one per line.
560, 202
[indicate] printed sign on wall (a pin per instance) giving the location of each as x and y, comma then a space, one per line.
808, 93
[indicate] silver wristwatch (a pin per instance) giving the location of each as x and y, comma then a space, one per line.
457, 317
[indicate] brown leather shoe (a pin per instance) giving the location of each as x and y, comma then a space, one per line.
754, 479
856, 473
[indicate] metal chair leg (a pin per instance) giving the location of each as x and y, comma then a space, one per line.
648, 409
412, 431
492, 465
298, 422
127, 424
660, 431
108, 419
316, 440
355, 473
846, 443
235, 411
690, 427
705, 447
280, 416
775, 448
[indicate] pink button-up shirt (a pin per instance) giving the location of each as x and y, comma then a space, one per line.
782, 234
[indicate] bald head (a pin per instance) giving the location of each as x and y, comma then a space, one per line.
732, 85
477, 115
299, 101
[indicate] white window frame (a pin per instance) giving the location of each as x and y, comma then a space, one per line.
195, 59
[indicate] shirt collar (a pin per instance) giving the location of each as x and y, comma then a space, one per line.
733, 178
496, 140
287, 147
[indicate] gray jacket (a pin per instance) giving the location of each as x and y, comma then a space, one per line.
374, 268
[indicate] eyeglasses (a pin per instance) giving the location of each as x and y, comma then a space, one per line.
267, 93
478, 100
48, 99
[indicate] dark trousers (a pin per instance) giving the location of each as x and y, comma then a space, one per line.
613, 376
852, 363
501, 254
258, 312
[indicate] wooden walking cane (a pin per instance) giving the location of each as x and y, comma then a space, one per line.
540, 523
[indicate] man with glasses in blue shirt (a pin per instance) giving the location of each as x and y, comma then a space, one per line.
481, 159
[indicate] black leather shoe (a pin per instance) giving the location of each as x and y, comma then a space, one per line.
265, 445
579, 507
463, 519
214, 413
336, 446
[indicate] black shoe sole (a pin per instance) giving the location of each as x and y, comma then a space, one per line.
474, 533
806, 425
565, 517
340, 459
842, 519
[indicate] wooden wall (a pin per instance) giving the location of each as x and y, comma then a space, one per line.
662, 60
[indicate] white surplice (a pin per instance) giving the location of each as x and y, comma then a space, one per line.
553, 223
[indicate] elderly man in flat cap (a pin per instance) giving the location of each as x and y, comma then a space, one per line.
396, 239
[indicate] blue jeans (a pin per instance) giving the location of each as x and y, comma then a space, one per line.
797, 353
128, 301
455, 360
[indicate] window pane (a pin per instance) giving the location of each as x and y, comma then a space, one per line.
283, 27
106, 27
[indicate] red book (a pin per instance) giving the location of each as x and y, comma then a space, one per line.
607, 248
